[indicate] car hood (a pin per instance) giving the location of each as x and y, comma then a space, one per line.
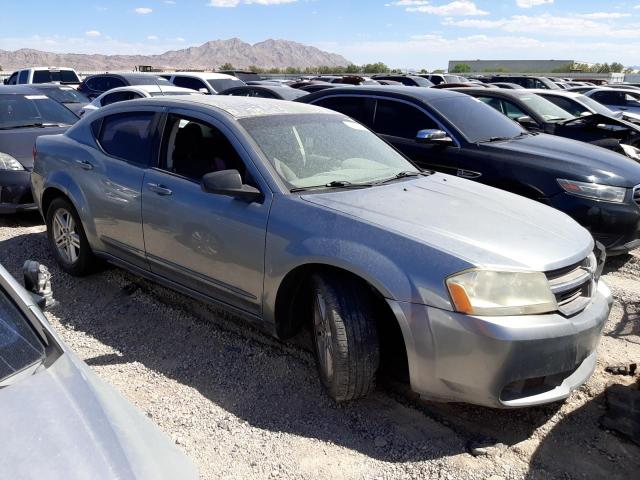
65, 423
572, 159
19, 142
482, 225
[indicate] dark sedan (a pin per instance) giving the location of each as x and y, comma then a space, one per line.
455, 133
537, 114
68, 96
95, 85
264, 91
25, 114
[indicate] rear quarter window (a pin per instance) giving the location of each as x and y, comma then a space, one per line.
127, 136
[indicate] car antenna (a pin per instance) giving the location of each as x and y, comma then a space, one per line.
158, 85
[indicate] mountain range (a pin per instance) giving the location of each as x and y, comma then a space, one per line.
210, 55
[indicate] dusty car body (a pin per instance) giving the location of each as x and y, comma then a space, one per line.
58, 420
307, 213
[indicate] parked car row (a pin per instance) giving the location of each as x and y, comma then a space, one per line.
297, 214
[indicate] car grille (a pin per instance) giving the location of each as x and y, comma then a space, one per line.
573, 286
636, 195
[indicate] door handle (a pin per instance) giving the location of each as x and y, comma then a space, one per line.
85, 164
159, 189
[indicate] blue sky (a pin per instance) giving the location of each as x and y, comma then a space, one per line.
401, 33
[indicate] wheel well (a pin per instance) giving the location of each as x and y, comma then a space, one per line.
293, 307
49, 195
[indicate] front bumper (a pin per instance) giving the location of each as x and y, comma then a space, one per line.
615, 225
502, 362
15, 192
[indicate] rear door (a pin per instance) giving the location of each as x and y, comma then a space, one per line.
112, 177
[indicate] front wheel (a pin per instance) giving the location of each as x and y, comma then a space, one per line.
67, 239
345, 337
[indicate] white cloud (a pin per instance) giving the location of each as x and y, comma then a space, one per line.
235, 3
169, 2
92, 33
546, 24
603, 15
532, 3
457, 8
143, 10
152, 37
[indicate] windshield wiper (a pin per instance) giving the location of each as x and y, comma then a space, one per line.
504, 139
34, 124
404, 174
333, 184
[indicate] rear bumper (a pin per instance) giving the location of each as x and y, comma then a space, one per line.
502, 362
15, 192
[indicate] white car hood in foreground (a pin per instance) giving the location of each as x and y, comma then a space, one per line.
483, 225
66, 423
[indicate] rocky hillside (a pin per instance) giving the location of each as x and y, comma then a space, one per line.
267, 54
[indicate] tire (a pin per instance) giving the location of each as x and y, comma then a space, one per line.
345, 336
67, 239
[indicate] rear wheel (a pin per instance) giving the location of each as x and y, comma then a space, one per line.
67, 239
345, 338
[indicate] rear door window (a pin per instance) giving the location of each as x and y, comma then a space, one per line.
399, 119
128, 136
118, 97
358, 108
609, 98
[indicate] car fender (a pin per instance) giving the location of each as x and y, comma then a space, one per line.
62, 181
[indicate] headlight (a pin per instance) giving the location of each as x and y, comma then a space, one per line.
7, 162
631, 152
605, 193
491, 293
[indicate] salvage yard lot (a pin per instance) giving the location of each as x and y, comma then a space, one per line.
243, 405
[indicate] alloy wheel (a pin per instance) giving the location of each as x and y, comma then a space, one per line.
65, 236
323, 336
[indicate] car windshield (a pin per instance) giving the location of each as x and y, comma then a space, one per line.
48, 76
20, 348
595, 106
543, 107
476, 121
65, 95
32, 110
318, 149
422, 82
220, 84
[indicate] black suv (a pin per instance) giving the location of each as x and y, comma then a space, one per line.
95, 85
408, 80
455, 133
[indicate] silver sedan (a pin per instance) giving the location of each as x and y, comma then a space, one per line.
294, 217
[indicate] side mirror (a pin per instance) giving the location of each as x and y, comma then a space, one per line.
527, 122
203, 90
229, 183
434, 137
585, 114
37, 280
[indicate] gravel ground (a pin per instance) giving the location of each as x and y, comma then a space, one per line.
243, 405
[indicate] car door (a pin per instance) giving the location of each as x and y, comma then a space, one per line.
399, 122
212, 244
111, 180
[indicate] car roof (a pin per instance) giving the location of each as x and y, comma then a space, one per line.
124, 75
17, 89
496, 92
206, 75
151, 88
282, 90
614, 89
417, 93
557, 93
241, 107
